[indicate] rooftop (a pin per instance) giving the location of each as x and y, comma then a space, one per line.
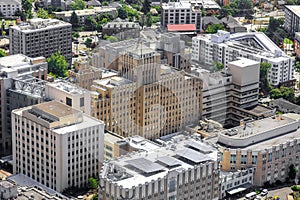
176, 5
281, 103
10, 2
137, 168
40, 24
294, 8
244, 62
111, 82
16, 61
181, 27
66, 87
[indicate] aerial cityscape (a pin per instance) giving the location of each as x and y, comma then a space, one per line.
150, 100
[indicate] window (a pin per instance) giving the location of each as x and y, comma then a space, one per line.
68, 101
232, 158
81, 101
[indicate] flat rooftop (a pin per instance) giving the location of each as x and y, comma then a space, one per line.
111, 82
294, 8
66, 87
14, 61
244, 62
56, 109
144, 166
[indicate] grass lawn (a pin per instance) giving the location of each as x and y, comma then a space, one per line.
8, 22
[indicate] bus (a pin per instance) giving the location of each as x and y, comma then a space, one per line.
250, 196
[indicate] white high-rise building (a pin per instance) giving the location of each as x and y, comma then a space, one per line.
41, 37
56, 145
9, 7
224, 47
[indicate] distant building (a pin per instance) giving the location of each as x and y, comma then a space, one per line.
270, 145
232, 25
122, 30
41, 37
183, 168
297, 44
181, 13
172, 50
209, 20
285, 106
83, 14
9, 7
292, 18
13, 69
56, 145
224, 47
56, 4
93, 3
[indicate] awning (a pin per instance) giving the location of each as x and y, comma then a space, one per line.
238, 189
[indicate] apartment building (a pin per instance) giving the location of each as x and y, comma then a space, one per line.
9, 7
41, 37
69, 94
121, 29
172, 50
182, 12
56, 145
297, 44
12, 68
148, 99
83, 14
292, 18
84, 74
184, 168
224, 47
269, 145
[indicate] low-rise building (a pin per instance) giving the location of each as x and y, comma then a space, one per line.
284, 106
122, 30
270, 145
297, 44
8, 190
183, 168
83, 14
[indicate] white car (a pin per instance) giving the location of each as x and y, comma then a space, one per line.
264, 192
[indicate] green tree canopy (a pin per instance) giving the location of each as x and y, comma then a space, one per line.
77, 5
263, 78
74, 20
57, 65
2, 53
146, 6
217, 66
292, 172
90, 23
122, 13
41, 13
213, 28
27, 7
283, 92
148, 19
93, 183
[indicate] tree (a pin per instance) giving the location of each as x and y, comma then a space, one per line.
283, 92
148, 19
77, 5
275, 93
41, 13
263, 78
90, 23
122, 13
217, 66
292, 172
214, 28
74, 20
2, 53
27, 9
57, 65
88, 42
146, 6
93, 183
226, 11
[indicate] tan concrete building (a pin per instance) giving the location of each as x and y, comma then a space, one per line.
270, 145
56, 145
84, 74
149, 100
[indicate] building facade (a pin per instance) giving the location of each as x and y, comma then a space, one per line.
224, 47
181, 13
56, 145
12, 69
292, 18
269, 145
122, 30
9, 7
147, 99
41, 37
183, 169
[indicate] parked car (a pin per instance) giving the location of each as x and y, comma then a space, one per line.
264, 192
